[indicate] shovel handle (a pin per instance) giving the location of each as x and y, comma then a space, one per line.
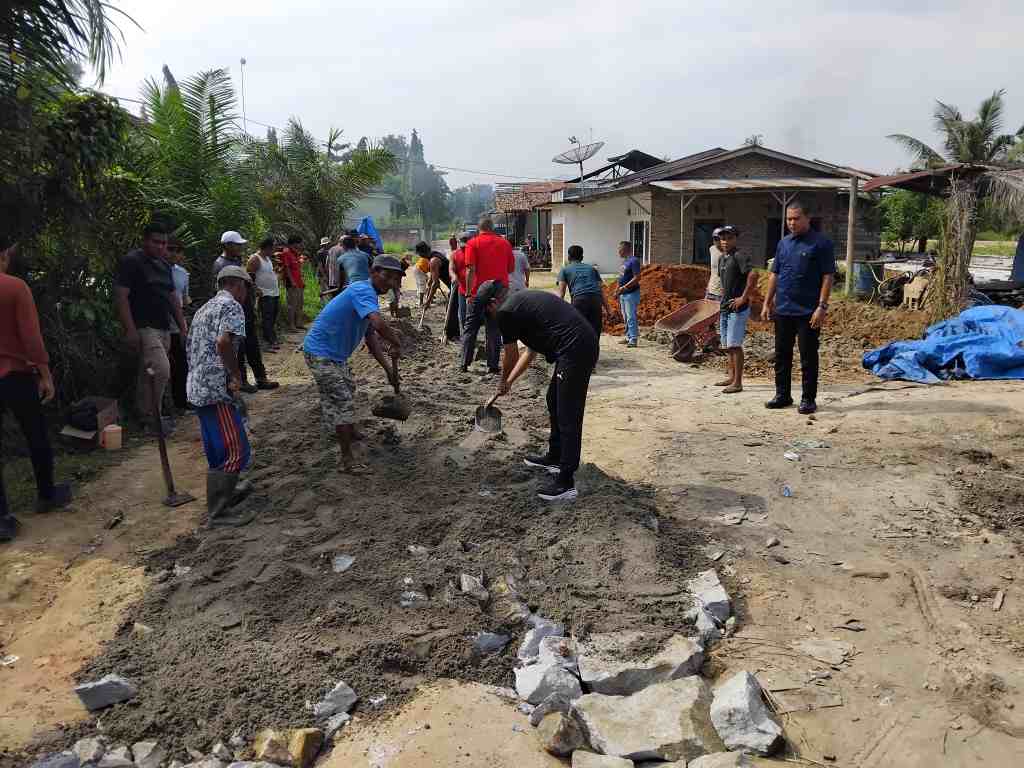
492, 400
394, 368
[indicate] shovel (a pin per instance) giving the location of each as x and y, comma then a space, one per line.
488, 418
173, 498
393, 406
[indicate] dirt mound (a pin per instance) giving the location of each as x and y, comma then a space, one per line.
251, 626
664, 289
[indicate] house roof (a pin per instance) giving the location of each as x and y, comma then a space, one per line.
932, 181
509, 198
751, 185
667, 169
634, 161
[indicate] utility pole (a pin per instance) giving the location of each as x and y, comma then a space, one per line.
245, 127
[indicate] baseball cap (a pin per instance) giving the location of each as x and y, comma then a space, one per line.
717, 231
324, 240
385, 261
729, 229
232, 237
489, 291
232, 271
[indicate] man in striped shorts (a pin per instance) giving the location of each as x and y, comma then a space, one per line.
214, 378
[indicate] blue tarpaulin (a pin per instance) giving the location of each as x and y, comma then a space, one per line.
366, 228
981, 343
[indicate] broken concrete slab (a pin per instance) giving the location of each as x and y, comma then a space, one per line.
272, 746
58, 760
830, 651
341, 698
536, 682
119, 757
556, 702
108, 690
709, 594
741, 718
489, 642
582, 759
560, 734
334, 724
304, 745
603, 668
530, 647
722, 760
666, 721
472, 586
709, 629
148, 754
91, 749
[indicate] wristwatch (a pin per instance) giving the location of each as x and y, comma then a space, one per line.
823, 305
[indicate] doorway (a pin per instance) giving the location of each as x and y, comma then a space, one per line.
702, 239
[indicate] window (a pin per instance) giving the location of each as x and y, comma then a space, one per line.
639, 235
702, 239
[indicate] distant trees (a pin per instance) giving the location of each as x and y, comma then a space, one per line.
470, 201
910, 218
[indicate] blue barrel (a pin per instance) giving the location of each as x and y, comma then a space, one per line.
864, 279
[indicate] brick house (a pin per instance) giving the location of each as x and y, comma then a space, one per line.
668, 211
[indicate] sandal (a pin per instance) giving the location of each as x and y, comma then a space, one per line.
725, 383
356, 469
732, 390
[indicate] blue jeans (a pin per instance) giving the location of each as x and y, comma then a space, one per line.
732, 327
629, 303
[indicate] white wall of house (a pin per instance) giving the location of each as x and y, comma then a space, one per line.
598, 226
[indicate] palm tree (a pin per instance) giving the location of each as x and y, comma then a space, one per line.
982, 150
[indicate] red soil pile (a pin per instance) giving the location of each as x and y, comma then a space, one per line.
663, 290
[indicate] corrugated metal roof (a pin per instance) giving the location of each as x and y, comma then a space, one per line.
746, 185
512, 198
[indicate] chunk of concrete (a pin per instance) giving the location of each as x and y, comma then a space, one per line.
108, 690
341, 698
666, 721
472, 586
272, 746
560, 651
556, 702
604, 668
304, 745
722, 760
710, 595
91, 749
117, 758
582, 759
221, 751
253, 764
530, 647
536, 682
708, 628
148, 754
560, 734
741, 718
489, 642
206, 762
58, 760
334, 724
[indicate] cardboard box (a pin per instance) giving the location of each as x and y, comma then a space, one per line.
106, 414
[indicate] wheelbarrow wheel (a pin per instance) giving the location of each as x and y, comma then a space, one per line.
683, 348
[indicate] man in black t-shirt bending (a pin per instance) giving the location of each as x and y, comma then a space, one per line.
548, 325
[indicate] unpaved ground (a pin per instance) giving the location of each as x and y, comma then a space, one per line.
260, 625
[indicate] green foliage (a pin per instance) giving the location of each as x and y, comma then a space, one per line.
469, 202
909, 217
398, 248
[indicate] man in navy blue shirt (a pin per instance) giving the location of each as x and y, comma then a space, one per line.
628, 292
797, 295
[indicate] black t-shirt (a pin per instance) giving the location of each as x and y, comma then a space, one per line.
733, 269
445, 272
548, 325
149, 285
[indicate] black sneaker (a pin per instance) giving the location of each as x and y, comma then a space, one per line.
779, 402
807, 407
267, 384
558, 490
542, 462
61, 498
249, 389
8, 527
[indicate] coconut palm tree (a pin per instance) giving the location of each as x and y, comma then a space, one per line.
980, 147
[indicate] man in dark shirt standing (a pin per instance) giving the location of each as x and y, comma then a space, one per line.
145, 301
737, 281
488, 257
628, 292
547, 324
797, 296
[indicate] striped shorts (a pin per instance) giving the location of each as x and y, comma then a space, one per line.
224, 439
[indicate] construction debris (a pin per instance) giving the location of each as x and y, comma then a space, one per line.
108, 690
741, 718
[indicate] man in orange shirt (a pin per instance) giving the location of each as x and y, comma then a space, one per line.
488, 257
25, 384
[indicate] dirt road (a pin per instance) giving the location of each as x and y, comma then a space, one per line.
248, 626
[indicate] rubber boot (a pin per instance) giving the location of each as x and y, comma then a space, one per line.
220, 491
242, 490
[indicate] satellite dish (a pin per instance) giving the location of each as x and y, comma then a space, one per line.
577, 154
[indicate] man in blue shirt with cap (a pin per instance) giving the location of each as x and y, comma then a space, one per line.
797, 295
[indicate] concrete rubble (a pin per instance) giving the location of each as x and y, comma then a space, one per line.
552, 672
560, 734
206, 762
118, 757
221, 752
667, 721
334, 724
556, 702
489, 642
541, 628
91, 749
148, 754
472, 586
581, 759
604, 669
341, 698
58, 760
108, 690
712, 606
741, 718
722, 760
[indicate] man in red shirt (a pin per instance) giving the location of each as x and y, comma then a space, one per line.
459, 270
488, 257
25, 384
291, 268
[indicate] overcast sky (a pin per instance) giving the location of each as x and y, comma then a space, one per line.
499, 87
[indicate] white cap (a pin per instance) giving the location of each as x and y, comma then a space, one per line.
232, 237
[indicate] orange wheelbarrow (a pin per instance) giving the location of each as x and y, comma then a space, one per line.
694, 328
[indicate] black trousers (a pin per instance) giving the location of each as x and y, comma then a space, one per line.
179, 370
567, 399
268, 317
250, 351
591, 307
476, 318
19, 394
788, 330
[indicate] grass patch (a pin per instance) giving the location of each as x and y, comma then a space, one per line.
398, 248
984, 247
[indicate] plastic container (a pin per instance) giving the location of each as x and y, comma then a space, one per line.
110, 437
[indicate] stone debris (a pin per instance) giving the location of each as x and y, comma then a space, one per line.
417, 550
341, 698
221, 752
472, 586
542, 628
560, 734
90, 750
489, 642
58, 760
304, 745
741, 718
581, 759
206, 762
722, 760
604, 670
108, 690
508, 605
556, 702
251, 764
536, 682
831, 652
710, 595
148, 754
119, 757
334, 724
342, 563
412, 599
667, 721
272, 746
709, 629
175, 764
141, 629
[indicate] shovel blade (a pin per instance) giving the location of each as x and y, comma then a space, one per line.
177, 499
488, 419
